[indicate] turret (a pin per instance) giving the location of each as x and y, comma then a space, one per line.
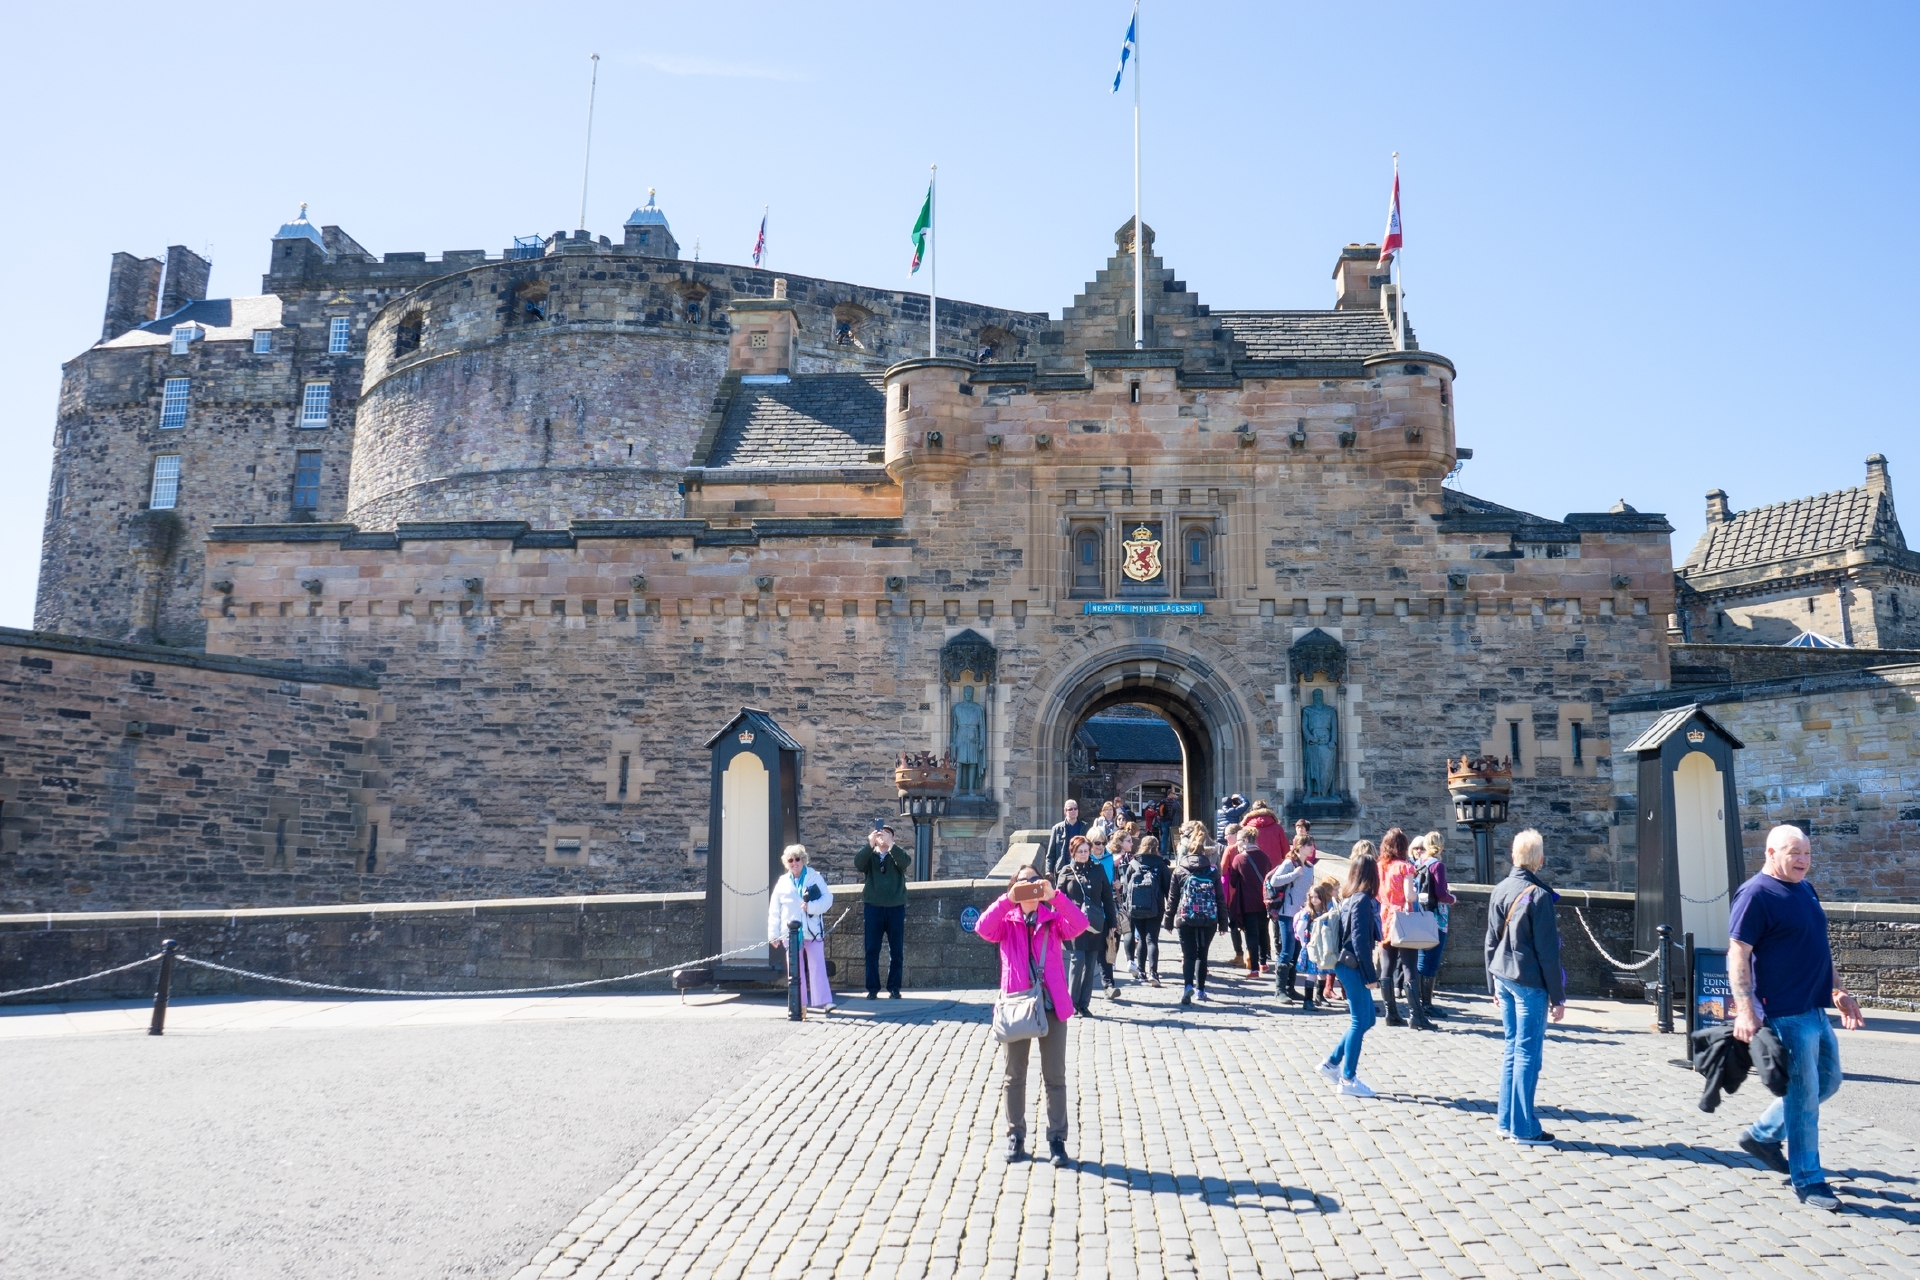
1414, 433
647, 232
931, 430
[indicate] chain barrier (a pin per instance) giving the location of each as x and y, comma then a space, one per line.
51, 986
1604, 954
1701, 902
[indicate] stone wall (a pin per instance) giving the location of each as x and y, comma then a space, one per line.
1834, 754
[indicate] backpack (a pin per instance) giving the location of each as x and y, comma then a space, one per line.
1323, 947
1199, 901
1143, 891
1276, 894
1423, 887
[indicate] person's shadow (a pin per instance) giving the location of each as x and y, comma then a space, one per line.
1227, 1192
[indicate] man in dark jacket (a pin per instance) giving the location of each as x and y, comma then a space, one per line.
884, 902
1781, 970
1231, 810
1054, 855
1524, 974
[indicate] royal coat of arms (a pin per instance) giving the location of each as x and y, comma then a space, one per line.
1141, 561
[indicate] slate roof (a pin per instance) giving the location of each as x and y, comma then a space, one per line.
223, 319
814, 420
1310, 335
1465, 513
1133, 740
1793, 530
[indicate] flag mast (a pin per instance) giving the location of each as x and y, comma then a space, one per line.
933, 265
586, 166
1139, 282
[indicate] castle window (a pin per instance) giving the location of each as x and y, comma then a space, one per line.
59, 497
339, 335
1578, 735
906, 397
306, 480
1089, 578
1196, 561
316, 405
406, 334
1134, 392
373, 846
173, 403
166, 483
263, 342
280, 844
1513, 742
183, 336
626, 763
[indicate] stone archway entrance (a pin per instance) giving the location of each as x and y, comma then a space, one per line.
1213, 723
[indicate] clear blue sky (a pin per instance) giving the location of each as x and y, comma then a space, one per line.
1666, 245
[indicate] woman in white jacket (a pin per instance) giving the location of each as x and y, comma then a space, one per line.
802, 894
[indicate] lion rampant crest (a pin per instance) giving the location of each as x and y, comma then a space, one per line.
1142, 559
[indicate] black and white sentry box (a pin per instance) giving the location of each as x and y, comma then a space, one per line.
753, 813
1688, 823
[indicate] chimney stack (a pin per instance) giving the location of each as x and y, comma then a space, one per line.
187, 274
766, 335
1357, 276
1877, 480
1718, 512
133, 293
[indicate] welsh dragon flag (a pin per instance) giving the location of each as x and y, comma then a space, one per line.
922, 225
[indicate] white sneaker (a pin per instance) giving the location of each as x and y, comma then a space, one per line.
1354, 1088
1329, 1072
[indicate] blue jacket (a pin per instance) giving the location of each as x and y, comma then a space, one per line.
1523, 937
1360, 934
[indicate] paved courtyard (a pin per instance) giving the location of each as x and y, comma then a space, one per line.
320, 1138
1207, 1147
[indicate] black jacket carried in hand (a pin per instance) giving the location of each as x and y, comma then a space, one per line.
1725, 1062
1086, 884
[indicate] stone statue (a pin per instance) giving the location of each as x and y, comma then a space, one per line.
1320, 746
969, 741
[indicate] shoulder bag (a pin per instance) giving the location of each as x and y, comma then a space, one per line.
1022, 1015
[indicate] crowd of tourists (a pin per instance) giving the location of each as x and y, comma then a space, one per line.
1104, 892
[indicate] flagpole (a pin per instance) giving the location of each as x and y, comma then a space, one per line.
1139, 235
933, 264
586, 166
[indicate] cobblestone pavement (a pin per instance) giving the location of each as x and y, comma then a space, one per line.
1208, 1147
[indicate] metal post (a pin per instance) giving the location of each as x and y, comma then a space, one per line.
922, 848
1665, 981
1483, 852
158, 1027
796, 1007
1687, 997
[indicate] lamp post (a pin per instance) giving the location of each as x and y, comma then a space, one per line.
925, 784
1481, 788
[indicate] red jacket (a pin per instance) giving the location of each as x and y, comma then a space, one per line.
1272, 837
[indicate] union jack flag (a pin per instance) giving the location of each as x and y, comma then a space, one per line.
760, 242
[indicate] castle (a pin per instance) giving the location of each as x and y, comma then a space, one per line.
424, 579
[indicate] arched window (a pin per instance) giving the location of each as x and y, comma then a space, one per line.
1089, 578
406, 334
1196, 561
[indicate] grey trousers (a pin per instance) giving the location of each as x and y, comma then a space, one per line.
1053, 1073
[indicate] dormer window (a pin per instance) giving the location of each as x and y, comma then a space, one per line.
183, 336
339, 335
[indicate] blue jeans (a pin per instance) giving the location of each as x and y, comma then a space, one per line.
1428, 963
1523, 1016
1346, 1054
889, 923
1813, 1076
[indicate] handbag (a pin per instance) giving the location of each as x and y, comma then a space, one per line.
1414, 929
1022, 1015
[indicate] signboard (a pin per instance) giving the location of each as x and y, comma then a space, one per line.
1712, 994
1097, 607
969, 918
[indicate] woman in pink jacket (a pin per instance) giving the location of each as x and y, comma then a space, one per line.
1029, 935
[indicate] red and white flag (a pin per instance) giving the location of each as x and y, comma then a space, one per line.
1390, 242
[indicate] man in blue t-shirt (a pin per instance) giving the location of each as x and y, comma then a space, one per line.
1782, 974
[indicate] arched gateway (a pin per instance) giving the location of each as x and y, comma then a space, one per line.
1207, 709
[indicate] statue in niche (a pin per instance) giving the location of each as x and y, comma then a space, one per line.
1320, 747
967, 738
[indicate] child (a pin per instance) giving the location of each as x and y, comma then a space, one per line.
1319, 900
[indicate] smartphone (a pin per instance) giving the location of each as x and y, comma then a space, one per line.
1029, 891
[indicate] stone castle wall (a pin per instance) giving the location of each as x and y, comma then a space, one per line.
1834, 754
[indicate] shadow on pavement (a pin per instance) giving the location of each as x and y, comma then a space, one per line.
1223, 1191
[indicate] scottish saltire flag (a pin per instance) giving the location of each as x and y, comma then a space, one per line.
920, 227
1128, 47
1390, 242
760, 244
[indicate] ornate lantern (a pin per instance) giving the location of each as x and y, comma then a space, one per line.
925, 784
1481, 787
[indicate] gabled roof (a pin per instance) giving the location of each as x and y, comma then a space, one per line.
1826, 522
1670, 723
1309, 335
223, 319
1464, 513
758, 722
813, 420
